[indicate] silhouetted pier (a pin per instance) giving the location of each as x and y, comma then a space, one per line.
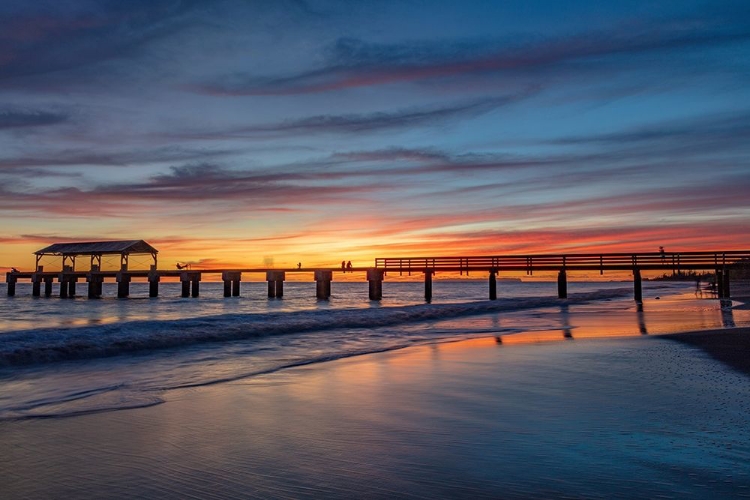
721, 263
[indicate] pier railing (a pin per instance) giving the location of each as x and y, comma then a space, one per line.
674, 261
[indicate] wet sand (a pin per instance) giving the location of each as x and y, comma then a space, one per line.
730, 346
638, 417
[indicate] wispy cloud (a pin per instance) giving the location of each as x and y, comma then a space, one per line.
11, 119
64, 35
362, 122
357, 63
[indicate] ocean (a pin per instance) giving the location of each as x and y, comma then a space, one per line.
64, 357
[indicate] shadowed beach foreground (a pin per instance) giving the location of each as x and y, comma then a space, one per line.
638, 417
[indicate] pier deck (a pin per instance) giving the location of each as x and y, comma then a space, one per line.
719, 262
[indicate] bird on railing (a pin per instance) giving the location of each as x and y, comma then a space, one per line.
183, 266
14, 270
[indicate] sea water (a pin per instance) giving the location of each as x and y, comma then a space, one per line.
64, 357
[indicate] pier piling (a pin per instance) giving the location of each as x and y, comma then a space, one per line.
493, 284
323, 280
48, 286
637, 286
123, 285
727, 293
428, 284
231, 283
562, 284
10, 279
375, 280
153, 284
275, 284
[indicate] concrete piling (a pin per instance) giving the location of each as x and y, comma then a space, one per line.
153, 284
493, 284
231, 283
428, 284
375, 280
323, 280
275, 284
727, 292
123, 285
562, 284
637, 285
10, 279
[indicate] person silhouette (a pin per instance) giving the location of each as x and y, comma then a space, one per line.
662, 253
349, 265
343, 265
299, 265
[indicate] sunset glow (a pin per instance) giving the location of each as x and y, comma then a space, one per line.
247, 134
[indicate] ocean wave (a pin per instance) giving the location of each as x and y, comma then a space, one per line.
58, 344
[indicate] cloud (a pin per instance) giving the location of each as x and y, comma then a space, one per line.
80, 157
11, 119
363, 122
352, 63
66, 35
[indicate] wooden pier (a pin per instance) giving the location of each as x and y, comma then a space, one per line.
721, 263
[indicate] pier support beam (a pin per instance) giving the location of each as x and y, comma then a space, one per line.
637, 286
36, 285
10, 279
48, 286
231, 283
562, 284
720, 283
323, 284
493, 284
123, 285
275, 284
375, 280
428, 284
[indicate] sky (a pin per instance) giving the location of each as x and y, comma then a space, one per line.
254, 133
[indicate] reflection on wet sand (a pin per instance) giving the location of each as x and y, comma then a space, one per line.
653, 318
641, 320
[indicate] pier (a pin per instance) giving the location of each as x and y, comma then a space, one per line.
720, 263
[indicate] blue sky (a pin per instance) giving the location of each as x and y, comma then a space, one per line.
231, 132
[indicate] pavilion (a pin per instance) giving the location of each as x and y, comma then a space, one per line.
95, 250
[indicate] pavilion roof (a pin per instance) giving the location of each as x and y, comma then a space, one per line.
98, 247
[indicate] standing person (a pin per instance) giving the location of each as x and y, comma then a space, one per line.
662, 253
299, 265
343, 265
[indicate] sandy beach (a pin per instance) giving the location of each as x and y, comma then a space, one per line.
637, 417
